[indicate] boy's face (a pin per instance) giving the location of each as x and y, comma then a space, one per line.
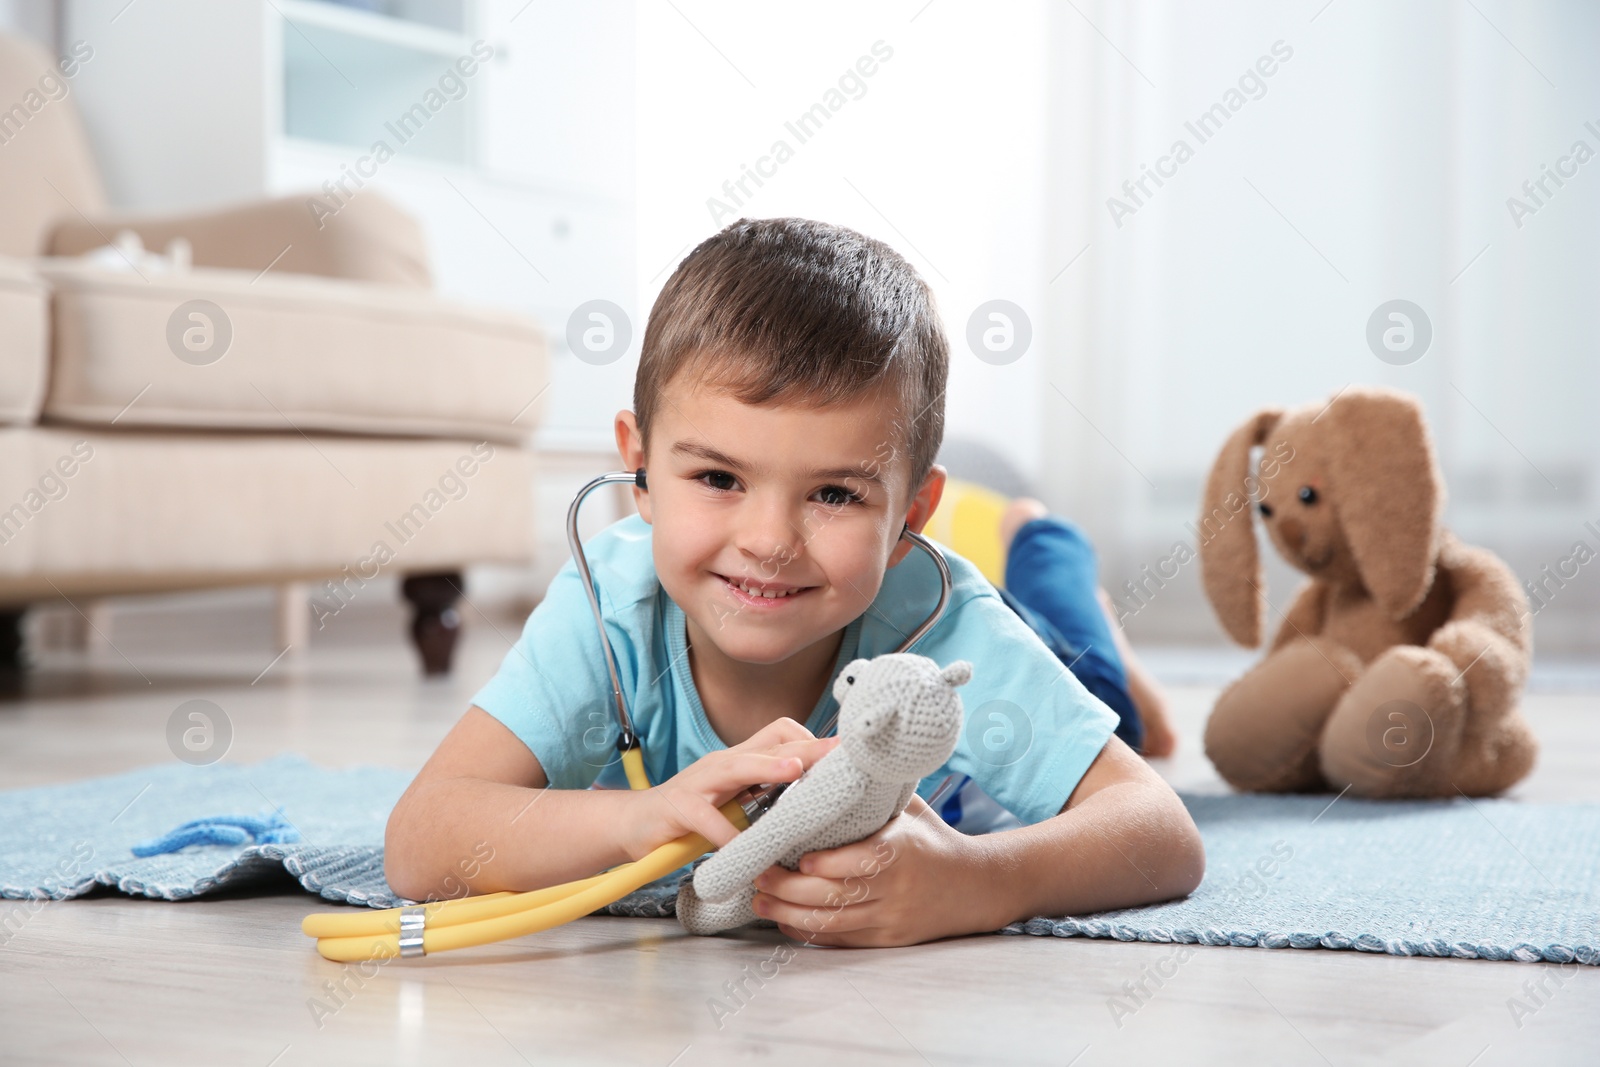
801, 501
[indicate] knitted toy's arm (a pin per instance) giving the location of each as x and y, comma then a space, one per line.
806, 807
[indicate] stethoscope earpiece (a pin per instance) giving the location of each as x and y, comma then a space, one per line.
638, 479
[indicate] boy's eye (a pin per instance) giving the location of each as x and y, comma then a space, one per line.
715, 480
837, 496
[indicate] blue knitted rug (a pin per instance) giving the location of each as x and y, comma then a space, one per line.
1483, 879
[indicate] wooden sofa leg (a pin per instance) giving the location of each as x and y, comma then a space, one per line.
11, 655
435, 624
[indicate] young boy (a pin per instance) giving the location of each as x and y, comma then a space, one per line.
788, 407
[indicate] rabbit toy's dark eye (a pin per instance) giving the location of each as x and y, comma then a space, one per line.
1308, 495
1265, 509
849, 679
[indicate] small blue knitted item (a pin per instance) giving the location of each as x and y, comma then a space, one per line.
221, 830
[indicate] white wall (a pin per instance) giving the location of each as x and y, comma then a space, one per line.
940, 156
31, 18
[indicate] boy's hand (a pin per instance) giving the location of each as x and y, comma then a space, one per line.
688, 801
914, 880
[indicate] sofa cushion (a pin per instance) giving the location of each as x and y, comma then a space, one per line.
370, 239
101, 512
24, 342
224, 349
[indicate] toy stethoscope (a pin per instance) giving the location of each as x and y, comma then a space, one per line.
437, 926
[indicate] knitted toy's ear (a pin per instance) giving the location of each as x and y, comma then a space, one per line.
958, 673
848, 678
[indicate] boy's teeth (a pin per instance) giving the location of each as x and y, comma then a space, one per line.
769, 594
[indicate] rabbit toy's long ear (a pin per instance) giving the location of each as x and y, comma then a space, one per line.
1230, 565
958, 673
1389, 492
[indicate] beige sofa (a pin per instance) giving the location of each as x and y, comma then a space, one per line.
296, 406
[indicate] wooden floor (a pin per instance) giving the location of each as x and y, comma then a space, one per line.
230, 980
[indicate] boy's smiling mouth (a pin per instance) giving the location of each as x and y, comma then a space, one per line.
763, 594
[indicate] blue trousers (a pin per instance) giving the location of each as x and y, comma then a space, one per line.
1051, 581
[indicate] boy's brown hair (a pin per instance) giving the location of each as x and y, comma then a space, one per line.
796, 311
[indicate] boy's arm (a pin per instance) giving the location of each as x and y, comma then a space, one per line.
1123, 838
478, 817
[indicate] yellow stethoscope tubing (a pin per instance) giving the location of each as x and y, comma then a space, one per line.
633, 767
439, 912
488, 906
457, 923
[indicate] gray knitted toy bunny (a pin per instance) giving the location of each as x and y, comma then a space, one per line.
899, 718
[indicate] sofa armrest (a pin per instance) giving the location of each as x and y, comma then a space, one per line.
369, 239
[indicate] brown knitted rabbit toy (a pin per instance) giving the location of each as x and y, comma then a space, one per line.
1397, 669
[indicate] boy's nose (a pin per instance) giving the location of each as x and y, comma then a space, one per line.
768, 532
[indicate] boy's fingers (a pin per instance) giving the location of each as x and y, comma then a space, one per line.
809, 890
858, 860
812, 920
809, 751
734, 775
753, 768
784, 764
698, 815
776, 732
711, 824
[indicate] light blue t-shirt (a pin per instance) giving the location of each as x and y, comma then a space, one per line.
1032, 728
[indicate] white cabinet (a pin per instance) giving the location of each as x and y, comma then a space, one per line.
559, 111
355, 78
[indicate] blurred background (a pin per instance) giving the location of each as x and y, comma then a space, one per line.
1335, 156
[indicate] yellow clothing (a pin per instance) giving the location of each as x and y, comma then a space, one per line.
968, 520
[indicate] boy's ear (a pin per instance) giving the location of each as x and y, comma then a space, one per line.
923, 505
630, 445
